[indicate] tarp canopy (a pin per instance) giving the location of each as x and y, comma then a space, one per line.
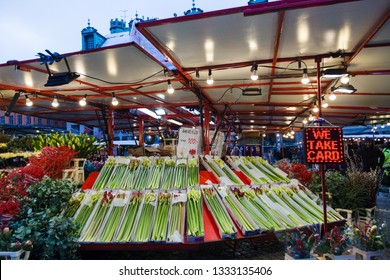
280, 38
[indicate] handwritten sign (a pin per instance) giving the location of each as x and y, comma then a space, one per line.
188, 142
324, 145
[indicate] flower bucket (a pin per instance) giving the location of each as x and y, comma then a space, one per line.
17, 255
368, 255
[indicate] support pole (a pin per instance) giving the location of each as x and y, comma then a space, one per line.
110, 132
206, 130
322, 169
141, 131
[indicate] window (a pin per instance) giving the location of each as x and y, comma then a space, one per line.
20, 119
89, 42
2, 120
39, 120
28, 120
11, 119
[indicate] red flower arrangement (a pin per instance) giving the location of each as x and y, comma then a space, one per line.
53, 160
297, 171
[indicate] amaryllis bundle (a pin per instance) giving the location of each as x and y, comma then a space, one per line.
74, 204
86, 209
129, 218
194, 213
104, 174
94, 226
144, 224
161, 220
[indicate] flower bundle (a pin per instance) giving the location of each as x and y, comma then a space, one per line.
193, 171
156, 173
268, 209
227, 171
169, 172
243, 165
83, 214
370, 236
180, 181
143, 173
161, 220
94, 226
129, 217
297, 242
246, 197
117, 176
144, 224
339, 240
177, 218
236, 212
268, 170
7, 245
130, 174
74, 204
195, 225
104, 174
218, 211
114, 218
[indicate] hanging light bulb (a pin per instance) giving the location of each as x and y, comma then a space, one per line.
29, 103
304, 121
345, 79
332, 96
210, 80
311, 117
305, 78
254, 75
55, 102
114, 101
324, 104
170, 88
83, 101
315, 108
388, 122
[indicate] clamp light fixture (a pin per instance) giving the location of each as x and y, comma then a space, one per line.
210, 80
55, 102
83, 101
254, 75
344, 88
334, 73
170, 88
114, 101
29, 103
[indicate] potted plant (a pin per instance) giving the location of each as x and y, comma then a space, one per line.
369, 240
11, 248
298, 243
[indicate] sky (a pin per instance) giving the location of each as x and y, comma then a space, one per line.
28, 27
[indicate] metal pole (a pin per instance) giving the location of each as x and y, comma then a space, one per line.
322, 169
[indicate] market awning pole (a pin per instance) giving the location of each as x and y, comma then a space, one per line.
206, 129
322, 170
141, 131
110, 132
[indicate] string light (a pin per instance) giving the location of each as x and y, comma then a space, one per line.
83, 101
55, 102
305, 78
332, 96
210, 80
114, 101
170, 88
29, 103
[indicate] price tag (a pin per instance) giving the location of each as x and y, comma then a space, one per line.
188, 142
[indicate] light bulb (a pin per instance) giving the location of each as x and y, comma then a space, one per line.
388, 123
345, 79
29, 103
315, 109
55, 102
304, 121
305, 78
210, 80
332, 96
311, 117
170, 88
254, 75
83, 101
324, 104
114, 101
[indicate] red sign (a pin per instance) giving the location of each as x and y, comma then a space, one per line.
323, 145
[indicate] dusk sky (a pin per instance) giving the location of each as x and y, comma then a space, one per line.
28, 27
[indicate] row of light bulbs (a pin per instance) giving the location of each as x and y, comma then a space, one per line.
82, 102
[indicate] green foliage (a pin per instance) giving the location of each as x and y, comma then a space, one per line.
354, 190
41, 221
20, 144
83, 144
4, 138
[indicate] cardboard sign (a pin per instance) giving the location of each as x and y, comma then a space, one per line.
188, 142
323, 145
